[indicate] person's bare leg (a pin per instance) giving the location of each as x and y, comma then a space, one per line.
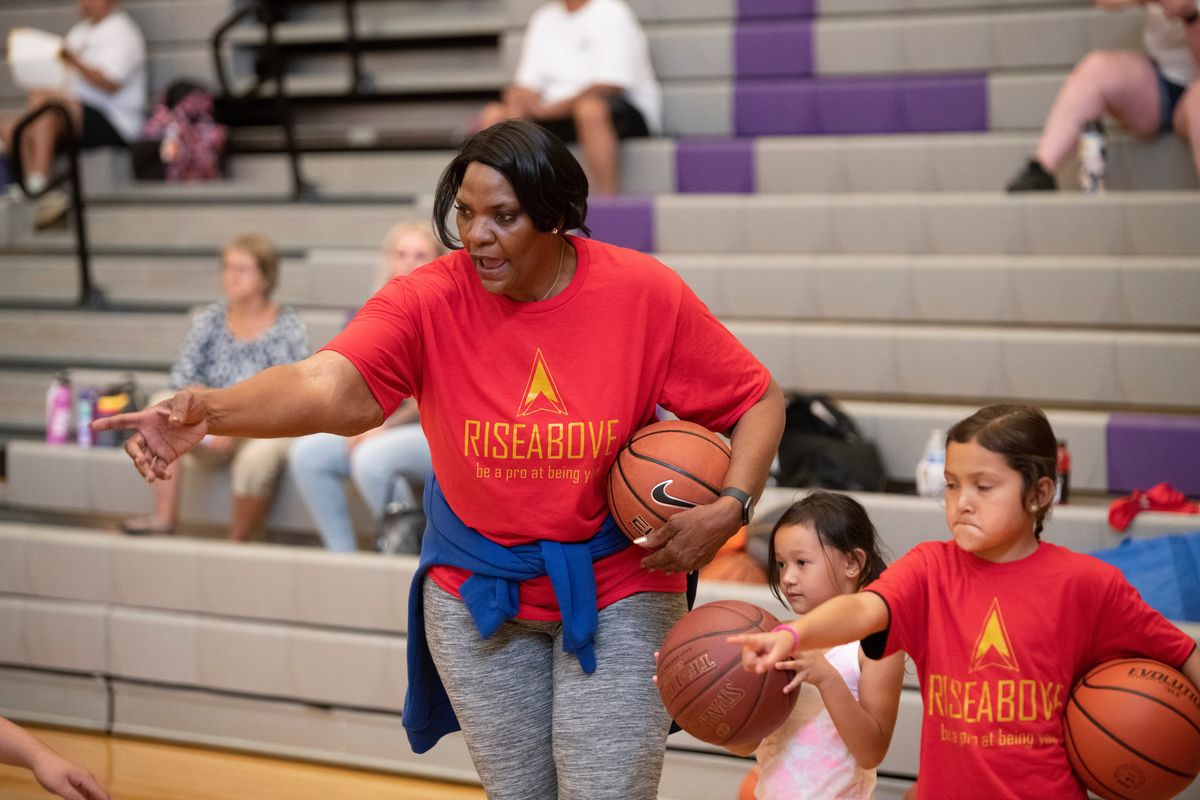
598, 138
1187, 121
42, 136
1121, 84
249, 512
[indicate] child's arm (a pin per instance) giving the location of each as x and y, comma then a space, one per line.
55, 773
1191, 667
865, 724
841, 619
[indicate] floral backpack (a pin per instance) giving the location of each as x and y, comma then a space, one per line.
192, 143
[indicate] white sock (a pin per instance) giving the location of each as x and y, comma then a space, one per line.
35, 182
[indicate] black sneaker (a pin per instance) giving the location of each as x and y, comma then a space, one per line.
1033, 178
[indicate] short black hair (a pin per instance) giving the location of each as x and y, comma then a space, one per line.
548, 181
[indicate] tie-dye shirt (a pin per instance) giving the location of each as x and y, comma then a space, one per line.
806, 757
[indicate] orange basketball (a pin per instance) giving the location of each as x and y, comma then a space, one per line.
749, 784
1132, 730
703, 685
666, 467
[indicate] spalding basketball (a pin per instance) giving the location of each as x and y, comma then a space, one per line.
667, 467
1132, 730
703, 685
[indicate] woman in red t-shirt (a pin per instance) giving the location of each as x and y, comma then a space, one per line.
533, 356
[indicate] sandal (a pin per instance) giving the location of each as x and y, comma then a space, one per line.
146, 526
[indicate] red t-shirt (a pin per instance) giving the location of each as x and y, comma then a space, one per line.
997, 648
525, 405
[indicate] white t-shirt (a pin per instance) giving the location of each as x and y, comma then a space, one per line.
806, 757
115, 46
1165, 39
601, 43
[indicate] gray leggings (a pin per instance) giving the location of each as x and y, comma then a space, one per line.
537, 726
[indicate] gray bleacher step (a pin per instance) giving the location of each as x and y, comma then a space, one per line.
654, 11
337, 83
961, 364
781, 164
159, 280
1145, 223
133, 226
102, 481
273, 188
115, 339
901, 42
447, 19
1126, 292
1129, 292
968, 162
836, 7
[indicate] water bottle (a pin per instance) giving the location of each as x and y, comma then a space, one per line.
85, 412
931, 469
1093, 158
58, 409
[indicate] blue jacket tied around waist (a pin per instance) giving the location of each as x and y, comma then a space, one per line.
490, 594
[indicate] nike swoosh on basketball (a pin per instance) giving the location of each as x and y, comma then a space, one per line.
659, 495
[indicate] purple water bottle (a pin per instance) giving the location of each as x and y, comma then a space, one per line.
58, 410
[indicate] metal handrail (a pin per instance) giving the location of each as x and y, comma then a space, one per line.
89, 294
363, 83
273, 70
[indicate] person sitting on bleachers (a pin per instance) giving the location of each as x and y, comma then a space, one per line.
228, 342
105, 96
384, 462
585, 75
1150, 93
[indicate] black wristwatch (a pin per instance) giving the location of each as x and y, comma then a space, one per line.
742, 497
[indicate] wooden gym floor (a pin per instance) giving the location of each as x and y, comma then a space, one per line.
137, 769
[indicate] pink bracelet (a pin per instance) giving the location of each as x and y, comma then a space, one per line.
783, 626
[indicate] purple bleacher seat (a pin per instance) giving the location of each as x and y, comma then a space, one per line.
759, 9
946, 103
714, 165
773, 49
861, 105
1147, 449
626, 221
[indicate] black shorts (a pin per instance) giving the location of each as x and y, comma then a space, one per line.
626, 119
98, 131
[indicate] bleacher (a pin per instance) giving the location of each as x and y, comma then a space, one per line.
829, 182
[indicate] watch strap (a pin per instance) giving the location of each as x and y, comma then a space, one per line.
744, 498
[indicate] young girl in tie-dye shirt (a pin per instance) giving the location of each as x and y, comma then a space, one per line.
840, 729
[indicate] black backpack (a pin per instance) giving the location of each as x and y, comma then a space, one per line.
822, 448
